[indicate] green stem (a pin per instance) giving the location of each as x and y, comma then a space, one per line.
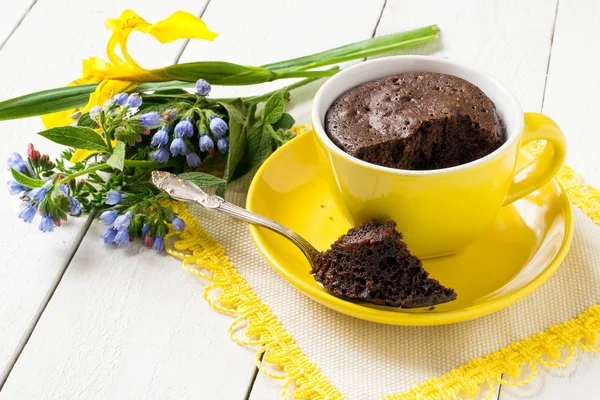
128, 163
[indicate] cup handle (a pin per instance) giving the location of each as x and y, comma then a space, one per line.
546, 165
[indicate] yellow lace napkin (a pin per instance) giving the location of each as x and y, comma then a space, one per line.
322, 354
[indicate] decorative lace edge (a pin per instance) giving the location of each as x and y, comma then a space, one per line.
204, 257
545, 348
200, 254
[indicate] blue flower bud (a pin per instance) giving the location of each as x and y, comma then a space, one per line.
27, 213
122, 222
109, 235
218, 126
161, 155
16, 162
95, 113
15, 188
184, 127
113, 197
161, 137
223, 145
206, 143
178, 147
149, 120
38, 194
64, 188
75, 206
193, 160
47, 223
178, 223
122, 237
159, 243
120, 98
202, 87
169, 115
108, 217
134, 100
145, 229
108, 105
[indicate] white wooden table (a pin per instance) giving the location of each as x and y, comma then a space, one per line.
80, 322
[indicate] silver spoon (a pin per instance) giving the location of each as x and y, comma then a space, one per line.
184, 190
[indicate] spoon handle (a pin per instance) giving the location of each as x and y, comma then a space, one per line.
186, 191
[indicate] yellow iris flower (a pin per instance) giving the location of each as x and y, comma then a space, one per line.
124, 74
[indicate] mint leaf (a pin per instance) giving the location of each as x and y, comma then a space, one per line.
117, 158
260, 146
201, 179
285, 122
25, 180
237, 136
79, 137
274, 107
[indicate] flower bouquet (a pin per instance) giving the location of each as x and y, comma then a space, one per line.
119, 122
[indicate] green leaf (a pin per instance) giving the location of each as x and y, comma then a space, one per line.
75, 136
117, 158
86, 121
237, 136
274, 107
201, 179
285, 122
260, 146
128, 135
25, 180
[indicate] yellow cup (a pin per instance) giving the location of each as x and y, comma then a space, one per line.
438, 211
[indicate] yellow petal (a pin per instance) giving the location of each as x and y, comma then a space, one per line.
105, 90
61, 118
81, 154
180, 25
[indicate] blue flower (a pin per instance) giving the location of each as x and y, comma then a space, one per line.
159, 243
160, 137
108, 104
145, 229
113, 197
109, 236
122, 237
178, 223
38, 194
108, 217
184, 127
121, 98
193, 160
161, 155
218, 126
150, 120
134, 100
75, 206
64, 188
206, 143
27, 213
47, 224
223, 145
178, 146
122, 222
202, 87
95, 112
15, 188
16, 162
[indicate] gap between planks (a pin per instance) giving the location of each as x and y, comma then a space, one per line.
38, 314
12, 31
253, 381
54, 285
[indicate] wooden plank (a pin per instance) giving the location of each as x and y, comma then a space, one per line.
129, 324
572, 100
44, 52
11, 14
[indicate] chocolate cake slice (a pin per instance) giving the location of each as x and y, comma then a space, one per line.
416, 121
371, 263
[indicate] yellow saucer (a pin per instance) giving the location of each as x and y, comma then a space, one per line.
525, 245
